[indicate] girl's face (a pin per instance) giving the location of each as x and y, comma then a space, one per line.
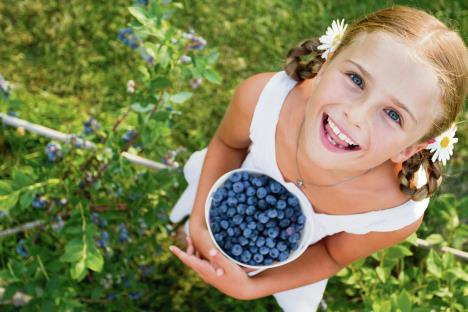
379, 97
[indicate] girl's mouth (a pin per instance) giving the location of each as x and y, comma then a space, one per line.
333, 139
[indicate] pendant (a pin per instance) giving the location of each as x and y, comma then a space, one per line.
299, 183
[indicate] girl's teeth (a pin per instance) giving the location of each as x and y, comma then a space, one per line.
337, 131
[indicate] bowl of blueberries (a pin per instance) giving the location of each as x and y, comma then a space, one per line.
256, 221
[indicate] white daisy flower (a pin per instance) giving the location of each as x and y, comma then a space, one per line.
131, 85
332, 38
442, 146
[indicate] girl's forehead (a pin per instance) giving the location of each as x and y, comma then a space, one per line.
393, 67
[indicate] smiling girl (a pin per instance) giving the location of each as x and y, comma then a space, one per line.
350, 129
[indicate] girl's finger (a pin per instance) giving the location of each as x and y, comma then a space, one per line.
190, 248
218, 261
202, 267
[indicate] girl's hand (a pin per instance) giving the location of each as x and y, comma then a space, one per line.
218, 271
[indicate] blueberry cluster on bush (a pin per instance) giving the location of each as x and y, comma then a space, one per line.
255, 219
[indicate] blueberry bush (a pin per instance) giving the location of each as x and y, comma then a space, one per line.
81, 228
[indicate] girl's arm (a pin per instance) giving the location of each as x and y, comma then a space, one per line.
226, 151
326, 258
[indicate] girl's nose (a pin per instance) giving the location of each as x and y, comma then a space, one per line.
357, 114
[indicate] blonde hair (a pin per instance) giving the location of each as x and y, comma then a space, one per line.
436, 45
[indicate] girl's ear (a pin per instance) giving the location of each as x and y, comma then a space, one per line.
408, 152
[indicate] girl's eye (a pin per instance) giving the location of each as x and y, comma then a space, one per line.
357, 80
393, 114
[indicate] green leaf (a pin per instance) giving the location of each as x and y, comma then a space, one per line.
164, 56
142, 109
5, 187
26, 199
73, 251
21, 179
11, 290
211, 75
434, 239
78, 271
381, 274
404, 302
398, 251
8, 201
160, 83
94, 260
434, 264
181, 97
139, 14
213, 57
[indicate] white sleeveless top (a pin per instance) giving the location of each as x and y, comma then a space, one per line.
262, 156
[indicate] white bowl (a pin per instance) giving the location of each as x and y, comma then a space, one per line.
306, 232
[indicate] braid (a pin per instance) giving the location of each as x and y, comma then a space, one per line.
409, 168
300, 70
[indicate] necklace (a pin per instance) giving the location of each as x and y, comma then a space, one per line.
300, 181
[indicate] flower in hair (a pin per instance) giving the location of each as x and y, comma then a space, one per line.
442, 145
332, 38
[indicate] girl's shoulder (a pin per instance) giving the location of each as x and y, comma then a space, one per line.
234, 129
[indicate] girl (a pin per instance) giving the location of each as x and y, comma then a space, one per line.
350, 133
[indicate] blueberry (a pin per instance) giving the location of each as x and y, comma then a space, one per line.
252, 225
241, 209
232, 201
223, 208
235, 177
250, 191
247, 233
272, 213
275, 187
293, 201
273, 232
260, 241
280, 214
270, 242
246, 256
294, 238
270, 224
262, 204
241, 198
261, 192
281, 204
219, 195
258, 258
301, 219
242, 226
260, 226
253, 249
289, 212
268, 261
231, 193
246, 184
281, 246
238, 187
263, 218
250, 210
243, 241
270, 199
236, 250
284, 223
256, 181
294, 246
231, 212
264, 250
283, 256
237, 219
237, 231
224, 224
230, 232
228, 184
274, 253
